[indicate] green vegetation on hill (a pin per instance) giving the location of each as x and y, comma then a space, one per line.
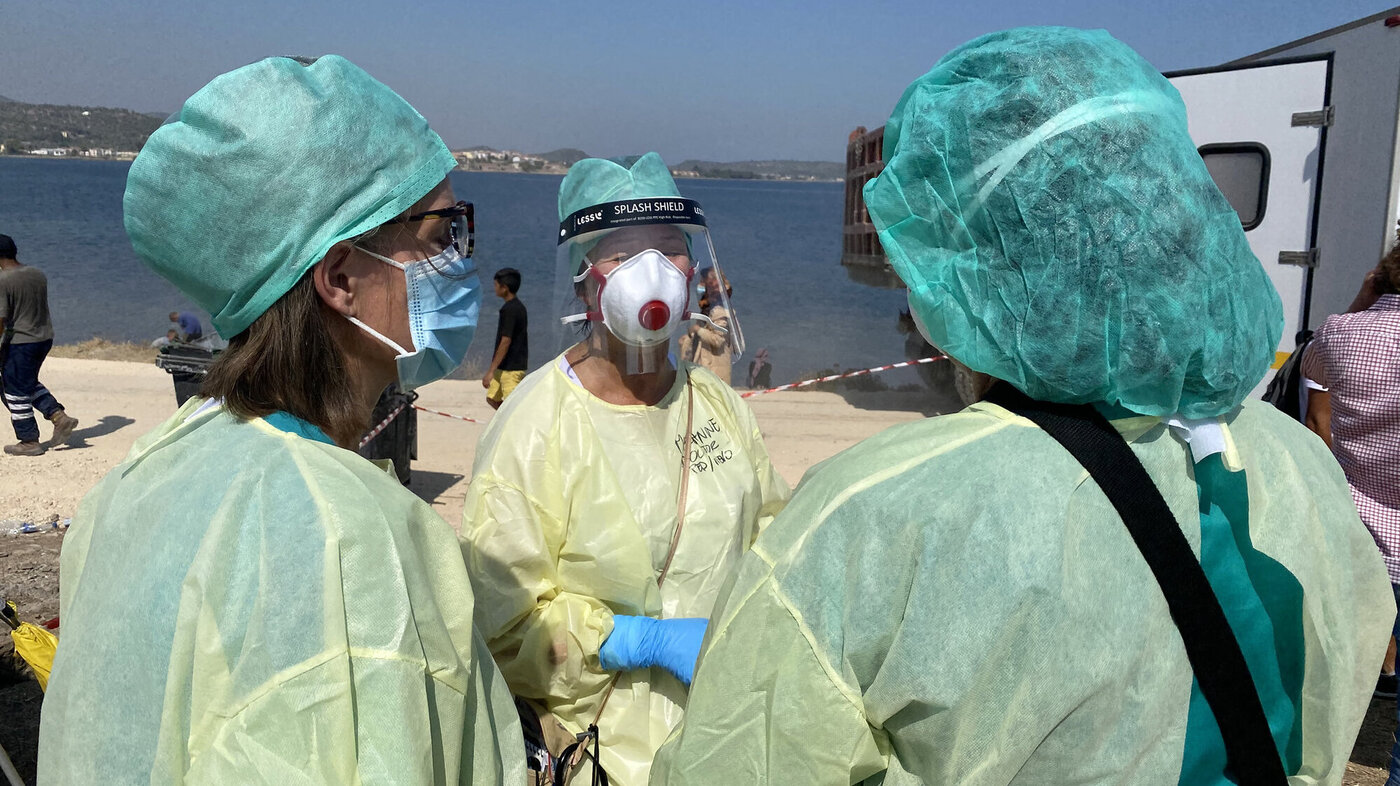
568, 156
26, 127
765, 170
558, 161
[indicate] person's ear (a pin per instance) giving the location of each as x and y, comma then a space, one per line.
333, 279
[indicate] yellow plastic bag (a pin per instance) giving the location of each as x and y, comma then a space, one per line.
34, 644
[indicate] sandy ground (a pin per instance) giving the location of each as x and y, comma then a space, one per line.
117, 402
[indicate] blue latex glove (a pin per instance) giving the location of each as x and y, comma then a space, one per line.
642, 642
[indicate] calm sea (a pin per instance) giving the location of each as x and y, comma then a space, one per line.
779, 243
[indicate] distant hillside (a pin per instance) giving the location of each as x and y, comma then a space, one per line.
765, 170
486, 159
34, 126
4, 100
568, 156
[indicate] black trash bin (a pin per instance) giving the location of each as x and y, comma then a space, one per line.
186, 364
399, 440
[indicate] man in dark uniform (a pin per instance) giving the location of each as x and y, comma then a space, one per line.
27, 339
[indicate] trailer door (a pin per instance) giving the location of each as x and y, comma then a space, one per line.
1262, 130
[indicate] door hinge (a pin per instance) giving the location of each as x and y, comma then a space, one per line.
1298, 258
1321, 118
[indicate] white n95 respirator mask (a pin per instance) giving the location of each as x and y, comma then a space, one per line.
641, 301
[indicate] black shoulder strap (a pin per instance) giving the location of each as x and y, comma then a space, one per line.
1211, 646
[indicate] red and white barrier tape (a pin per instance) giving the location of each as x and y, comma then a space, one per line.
379, 429
903, 364
448, 414
805, 383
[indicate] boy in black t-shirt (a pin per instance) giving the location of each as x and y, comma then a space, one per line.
511, 358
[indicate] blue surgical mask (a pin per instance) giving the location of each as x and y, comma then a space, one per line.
444, 297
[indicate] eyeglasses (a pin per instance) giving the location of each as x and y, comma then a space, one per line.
463, 225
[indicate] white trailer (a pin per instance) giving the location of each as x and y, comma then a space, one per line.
1302, 140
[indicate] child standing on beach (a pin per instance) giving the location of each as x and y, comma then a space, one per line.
512, 353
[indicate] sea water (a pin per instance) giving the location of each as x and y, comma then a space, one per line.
778, 242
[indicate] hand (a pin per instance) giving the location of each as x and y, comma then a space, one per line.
642, 642
1370, 291
1371, 284
486, 380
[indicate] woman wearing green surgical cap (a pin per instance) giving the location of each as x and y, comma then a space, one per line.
245, 599
957, 601
614, 492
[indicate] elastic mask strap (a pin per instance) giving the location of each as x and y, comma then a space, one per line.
588, 316
383, 338
702, 318
366, 328
592, 272
384, 259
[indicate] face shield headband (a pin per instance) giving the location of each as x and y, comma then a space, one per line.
645, 272
582, 227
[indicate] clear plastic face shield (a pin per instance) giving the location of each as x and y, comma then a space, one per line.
632, 277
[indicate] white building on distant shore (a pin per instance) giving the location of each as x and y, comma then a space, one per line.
73, 152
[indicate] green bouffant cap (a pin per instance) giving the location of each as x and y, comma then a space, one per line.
267, 167
1058, 230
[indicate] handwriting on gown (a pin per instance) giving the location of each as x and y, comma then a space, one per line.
709, 447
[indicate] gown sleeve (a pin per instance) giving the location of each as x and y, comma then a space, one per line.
764, 708
544, 638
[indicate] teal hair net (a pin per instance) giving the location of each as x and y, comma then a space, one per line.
1057, 229
267, 167
593, 181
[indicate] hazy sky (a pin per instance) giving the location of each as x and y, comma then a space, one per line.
721, 80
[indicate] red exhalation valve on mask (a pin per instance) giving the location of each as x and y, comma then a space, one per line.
654, 315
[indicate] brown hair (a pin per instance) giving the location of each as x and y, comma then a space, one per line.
288, 360
1389, 283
